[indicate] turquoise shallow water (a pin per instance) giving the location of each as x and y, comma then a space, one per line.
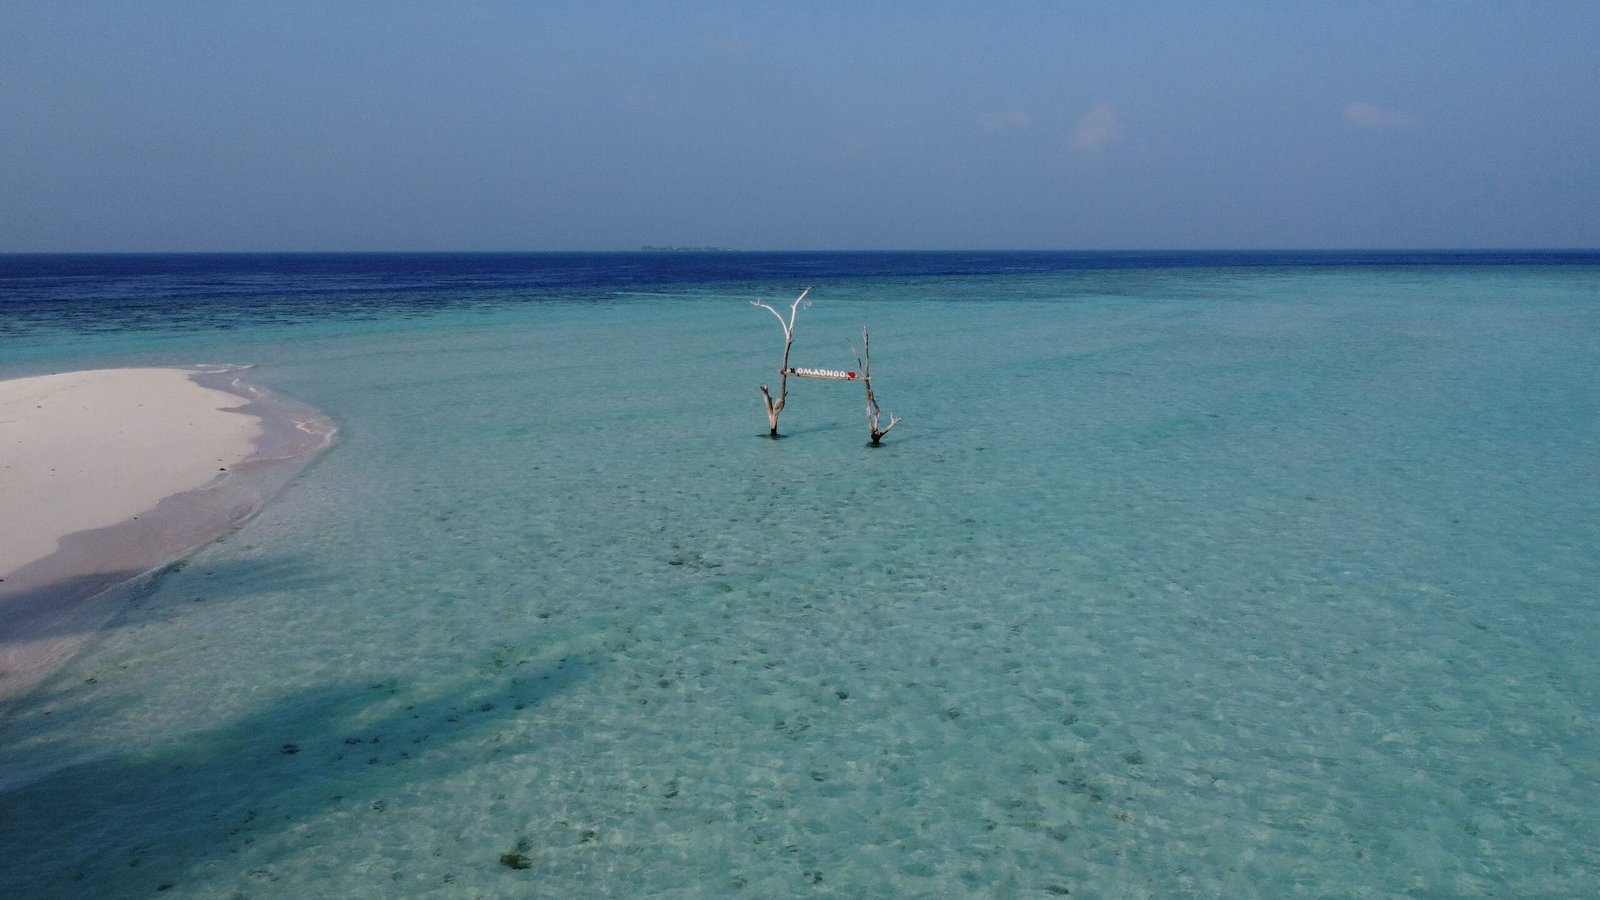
1237, 582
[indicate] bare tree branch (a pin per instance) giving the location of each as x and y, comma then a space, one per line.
775, 407
874, 414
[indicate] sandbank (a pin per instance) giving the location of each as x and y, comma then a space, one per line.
109, 475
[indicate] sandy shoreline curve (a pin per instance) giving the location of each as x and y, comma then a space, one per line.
109, 475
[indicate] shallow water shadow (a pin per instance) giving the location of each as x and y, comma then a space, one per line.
43, 626
86, 830
26, 614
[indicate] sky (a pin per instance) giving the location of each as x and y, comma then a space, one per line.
554, 126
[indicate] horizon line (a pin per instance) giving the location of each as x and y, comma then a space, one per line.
695, 251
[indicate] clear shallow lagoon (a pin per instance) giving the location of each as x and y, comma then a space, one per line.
1185, 575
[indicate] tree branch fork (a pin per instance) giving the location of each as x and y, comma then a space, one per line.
775, 405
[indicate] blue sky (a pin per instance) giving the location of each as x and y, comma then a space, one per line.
818, 125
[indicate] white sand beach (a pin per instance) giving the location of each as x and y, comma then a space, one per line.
83, 450
108, 474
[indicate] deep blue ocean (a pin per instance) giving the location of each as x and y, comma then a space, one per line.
159, 291
1184, 575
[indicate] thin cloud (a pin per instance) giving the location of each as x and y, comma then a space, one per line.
644, 100
1097, 128
1358, 114
851, 151
729, 45
1010, 121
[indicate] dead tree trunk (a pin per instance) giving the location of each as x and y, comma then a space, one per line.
874, 415
775, 407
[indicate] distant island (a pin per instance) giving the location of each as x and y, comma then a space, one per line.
651, 248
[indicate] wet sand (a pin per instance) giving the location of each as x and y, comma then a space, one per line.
107, 476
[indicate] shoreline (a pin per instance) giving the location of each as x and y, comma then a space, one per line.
108, 476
